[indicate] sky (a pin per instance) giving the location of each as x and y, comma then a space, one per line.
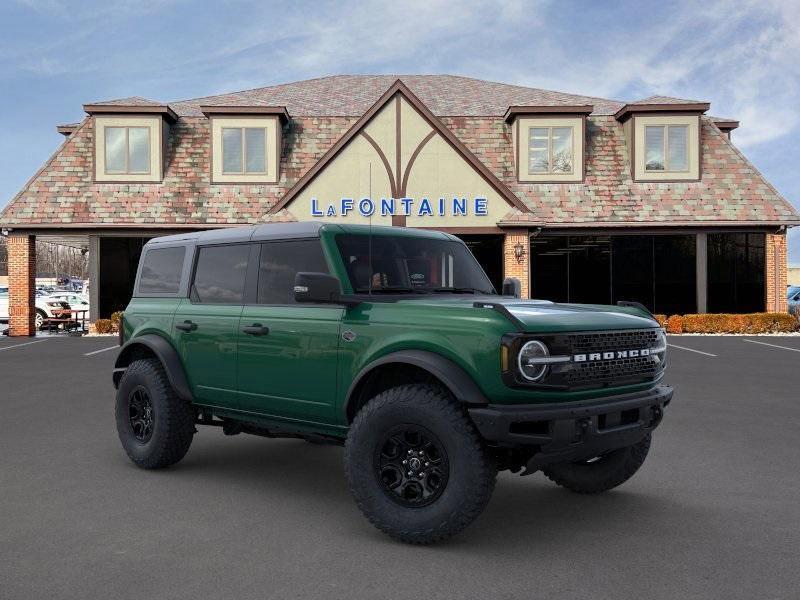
741, 56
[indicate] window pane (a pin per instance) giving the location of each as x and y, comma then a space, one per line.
115, 149
678, 141
161, 271
632, 269
549, 268
562, 149
675, 274
219, 278
736, 272
280, 262
538, 150
231, 150
654, 148
255, 140
589, 269
138, 149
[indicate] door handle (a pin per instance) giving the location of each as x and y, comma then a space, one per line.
256, 329
186, 326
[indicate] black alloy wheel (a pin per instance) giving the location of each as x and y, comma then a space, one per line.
412, 465
140, 414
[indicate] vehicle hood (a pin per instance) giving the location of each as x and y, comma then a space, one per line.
541, 315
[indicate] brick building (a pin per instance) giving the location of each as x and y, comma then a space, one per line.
583, 199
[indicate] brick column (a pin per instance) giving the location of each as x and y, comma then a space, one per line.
511, 266
21, 284
775, 273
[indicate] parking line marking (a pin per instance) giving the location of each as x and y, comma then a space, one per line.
20, 345
771, 345
101, 350
692, 350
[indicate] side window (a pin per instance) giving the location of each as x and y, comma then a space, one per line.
280, 262
161, 271
220, 274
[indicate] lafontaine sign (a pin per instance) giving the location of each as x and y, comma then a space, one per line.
389, 207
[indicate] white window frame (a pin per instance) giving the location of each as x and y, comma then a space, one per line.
272, 127
243, 129
158, 132
665, 148
550, 170
635, 133
127, 129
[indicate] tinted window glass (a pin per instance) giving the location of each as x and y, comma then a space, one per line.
220, 273
400, 264
161, 271
280, 262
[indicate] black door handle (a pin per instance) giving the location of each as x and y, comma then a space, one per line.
256, 329
186, 326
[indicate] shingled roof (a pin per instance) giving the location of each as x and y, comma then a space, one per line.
731, 191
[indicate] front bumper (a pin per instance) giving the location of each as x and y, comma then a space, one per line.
561, 432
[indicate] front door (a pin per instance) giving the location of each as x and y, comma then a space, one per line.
207, 323
288, 352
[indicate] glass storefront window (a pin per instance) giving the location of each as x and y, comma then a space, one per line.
656, 270
736, 272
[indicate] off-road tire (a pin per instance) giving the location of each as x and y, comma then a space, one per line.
471, 471
607, 472
172, 418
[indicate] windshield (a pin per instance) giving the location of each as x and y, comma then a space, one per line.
411, 265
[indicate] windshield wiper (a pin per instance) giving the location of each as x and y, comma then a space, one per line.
460, 290
387, 290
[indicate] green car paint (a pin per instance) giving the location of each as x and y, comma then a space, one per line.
304, 369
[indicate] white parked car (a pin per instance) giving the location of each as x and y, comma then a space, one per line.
76, 300
47, 307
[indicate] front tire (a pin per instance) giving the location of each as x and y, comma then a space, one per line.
39, 319
154, 425
601, 473
446, 480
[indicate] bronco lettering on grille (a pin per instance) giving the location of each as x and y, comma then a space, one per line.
595, 356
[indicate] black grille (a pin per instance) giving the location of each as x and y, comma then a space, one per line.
606, 372
612, 371
611, 340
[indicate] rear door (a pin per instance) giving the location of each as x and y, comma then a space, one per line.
288, 352
207, 323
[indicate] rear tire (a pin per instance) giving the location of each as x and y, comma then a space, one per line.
602, 473
450, 476
154, 425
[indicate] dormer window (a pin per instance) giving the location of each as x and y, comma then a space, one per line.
666, 148
244, 150
127, 150
245, 143
550, 150
549, 142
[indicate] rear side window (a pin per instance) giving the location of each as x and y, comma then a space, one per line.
161, 271
280, 262
220, 274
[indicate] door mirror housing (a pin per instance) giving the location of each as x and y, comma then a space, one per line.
511, 287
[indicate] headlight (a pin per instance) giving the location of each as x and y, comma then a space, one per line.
532, 360
54, 304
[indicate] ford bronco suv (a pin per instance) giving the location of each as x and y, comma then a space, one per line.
392, 342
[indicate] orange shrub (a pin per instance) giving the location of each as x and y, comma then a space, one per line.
752, 323
662, 319
674, 324
103, 326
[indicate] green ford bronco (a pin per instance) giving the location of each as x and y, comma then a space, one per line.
392, 342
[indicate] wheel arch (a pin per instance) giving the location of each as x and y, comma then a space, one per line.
406, 366
154, 346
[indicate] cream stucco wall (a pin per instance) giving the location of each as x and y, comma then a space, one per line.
438, 171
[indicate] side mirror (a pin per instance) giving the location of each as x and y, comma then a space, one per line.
319, 288
512, 287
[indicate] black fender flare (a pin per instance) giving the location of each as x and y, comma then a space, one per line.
460, 384
165, 353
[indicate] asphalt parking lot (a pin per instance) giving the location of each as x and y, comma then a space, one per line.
714, 512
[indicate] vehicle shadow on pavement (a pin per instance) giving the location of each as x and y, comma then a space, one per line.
306, 483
